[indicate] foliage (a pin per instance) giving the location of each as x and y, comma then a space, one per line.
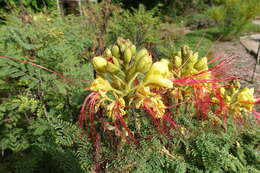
36, 5
172, 8
141, 26
38, 112
233, 16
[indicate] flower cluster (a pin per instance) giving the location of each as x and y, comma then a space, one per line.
128, 78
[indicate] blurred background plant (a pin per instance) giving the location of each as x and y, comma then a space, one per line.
233, 16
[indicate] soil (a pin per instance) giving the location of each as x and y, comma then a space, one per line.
243, 65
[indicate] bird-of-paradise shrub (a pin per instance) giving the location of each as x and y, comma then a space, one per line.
126, 78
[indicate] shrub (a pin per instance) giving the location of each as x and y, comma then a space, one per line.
37, 119
140, 26
233, 16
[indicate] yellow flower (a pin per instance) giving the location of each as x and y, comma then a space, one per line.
246, 99
153, 101
100, 85
111, 108
158, 75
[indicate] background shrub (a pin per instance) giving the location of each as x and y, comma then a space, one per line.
233, 16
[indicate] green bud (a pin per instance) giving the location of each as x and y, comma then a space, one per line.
115, 51
99, 63
189, 54
140, 54
184, 51
133, 49
194, 58
122, 47
127, 55
177, 61
108, 52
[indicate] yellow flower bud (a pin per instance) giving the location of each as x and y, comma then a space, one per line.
144, 64
127, 55
158, 80
108, 52
202, 64
99, 63
194, 58
122, 47
177, 61
111, 68
160, 68
141, 53
115, 51
133, 49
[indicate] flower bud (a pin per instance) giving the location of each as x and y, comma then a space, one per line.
159, 68
140, 54
111, 68
107, 52
115, 51
177, 61
202, 64
120, 41
184, 51
158, 80
133, 49
144, 64
122, 47
99, 63
194, 58
127, 55
115, 61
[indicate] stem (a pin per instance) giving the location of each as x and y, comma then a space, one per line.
117, 91
132, 78
118, 78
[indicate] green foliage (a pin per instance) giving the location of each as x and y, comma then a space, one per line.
140, 26
233, 16
201, 41
36, 5
38, 109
